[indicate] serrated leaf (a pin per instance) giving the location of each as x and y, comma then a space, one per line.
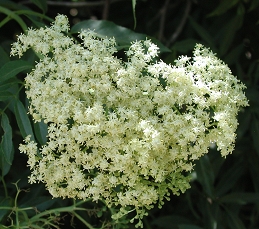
42, 4
23, 120
123, 36
12, 68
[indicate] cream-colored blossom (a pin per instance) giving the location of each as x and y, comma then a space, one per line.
125, 132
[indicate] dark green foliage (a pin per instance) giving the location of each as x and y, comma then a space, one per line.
224, 193
122, 35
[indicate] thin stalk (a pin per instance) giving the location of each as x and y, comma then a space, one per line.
16, 206
72, 208
82, 220
5, 189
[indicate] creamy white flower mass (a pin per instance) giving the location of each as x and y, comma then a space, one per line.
125, 132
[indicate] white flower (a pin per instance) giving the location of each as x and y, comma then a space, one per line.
137, 125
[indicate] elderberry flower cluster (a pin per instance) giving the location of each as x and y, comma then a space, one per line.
125, 132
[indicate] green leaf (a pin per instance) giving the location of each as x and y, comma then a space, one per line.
240, 198
12, 68
229, 34
12, 5
229, 178
6, 146
233, 220
232, 56
202, 32
9, 83
41, 132
42, 4
205, 174
223, 7
12, 15
41, 203
35, 17
123, 36
5, 167
23, 120
185, 46
5, 95
4, 57
7, 143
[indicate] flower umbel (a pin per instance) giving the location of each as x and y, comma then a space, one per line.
124, 132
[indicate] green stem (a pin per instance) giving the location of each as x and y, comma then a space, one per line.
5, 189
34, 226
81, 202
45, 222
57, 210
82, 220
52, 211
16, 209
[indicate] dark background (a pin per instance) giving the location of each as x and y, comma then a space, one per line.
224, 192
